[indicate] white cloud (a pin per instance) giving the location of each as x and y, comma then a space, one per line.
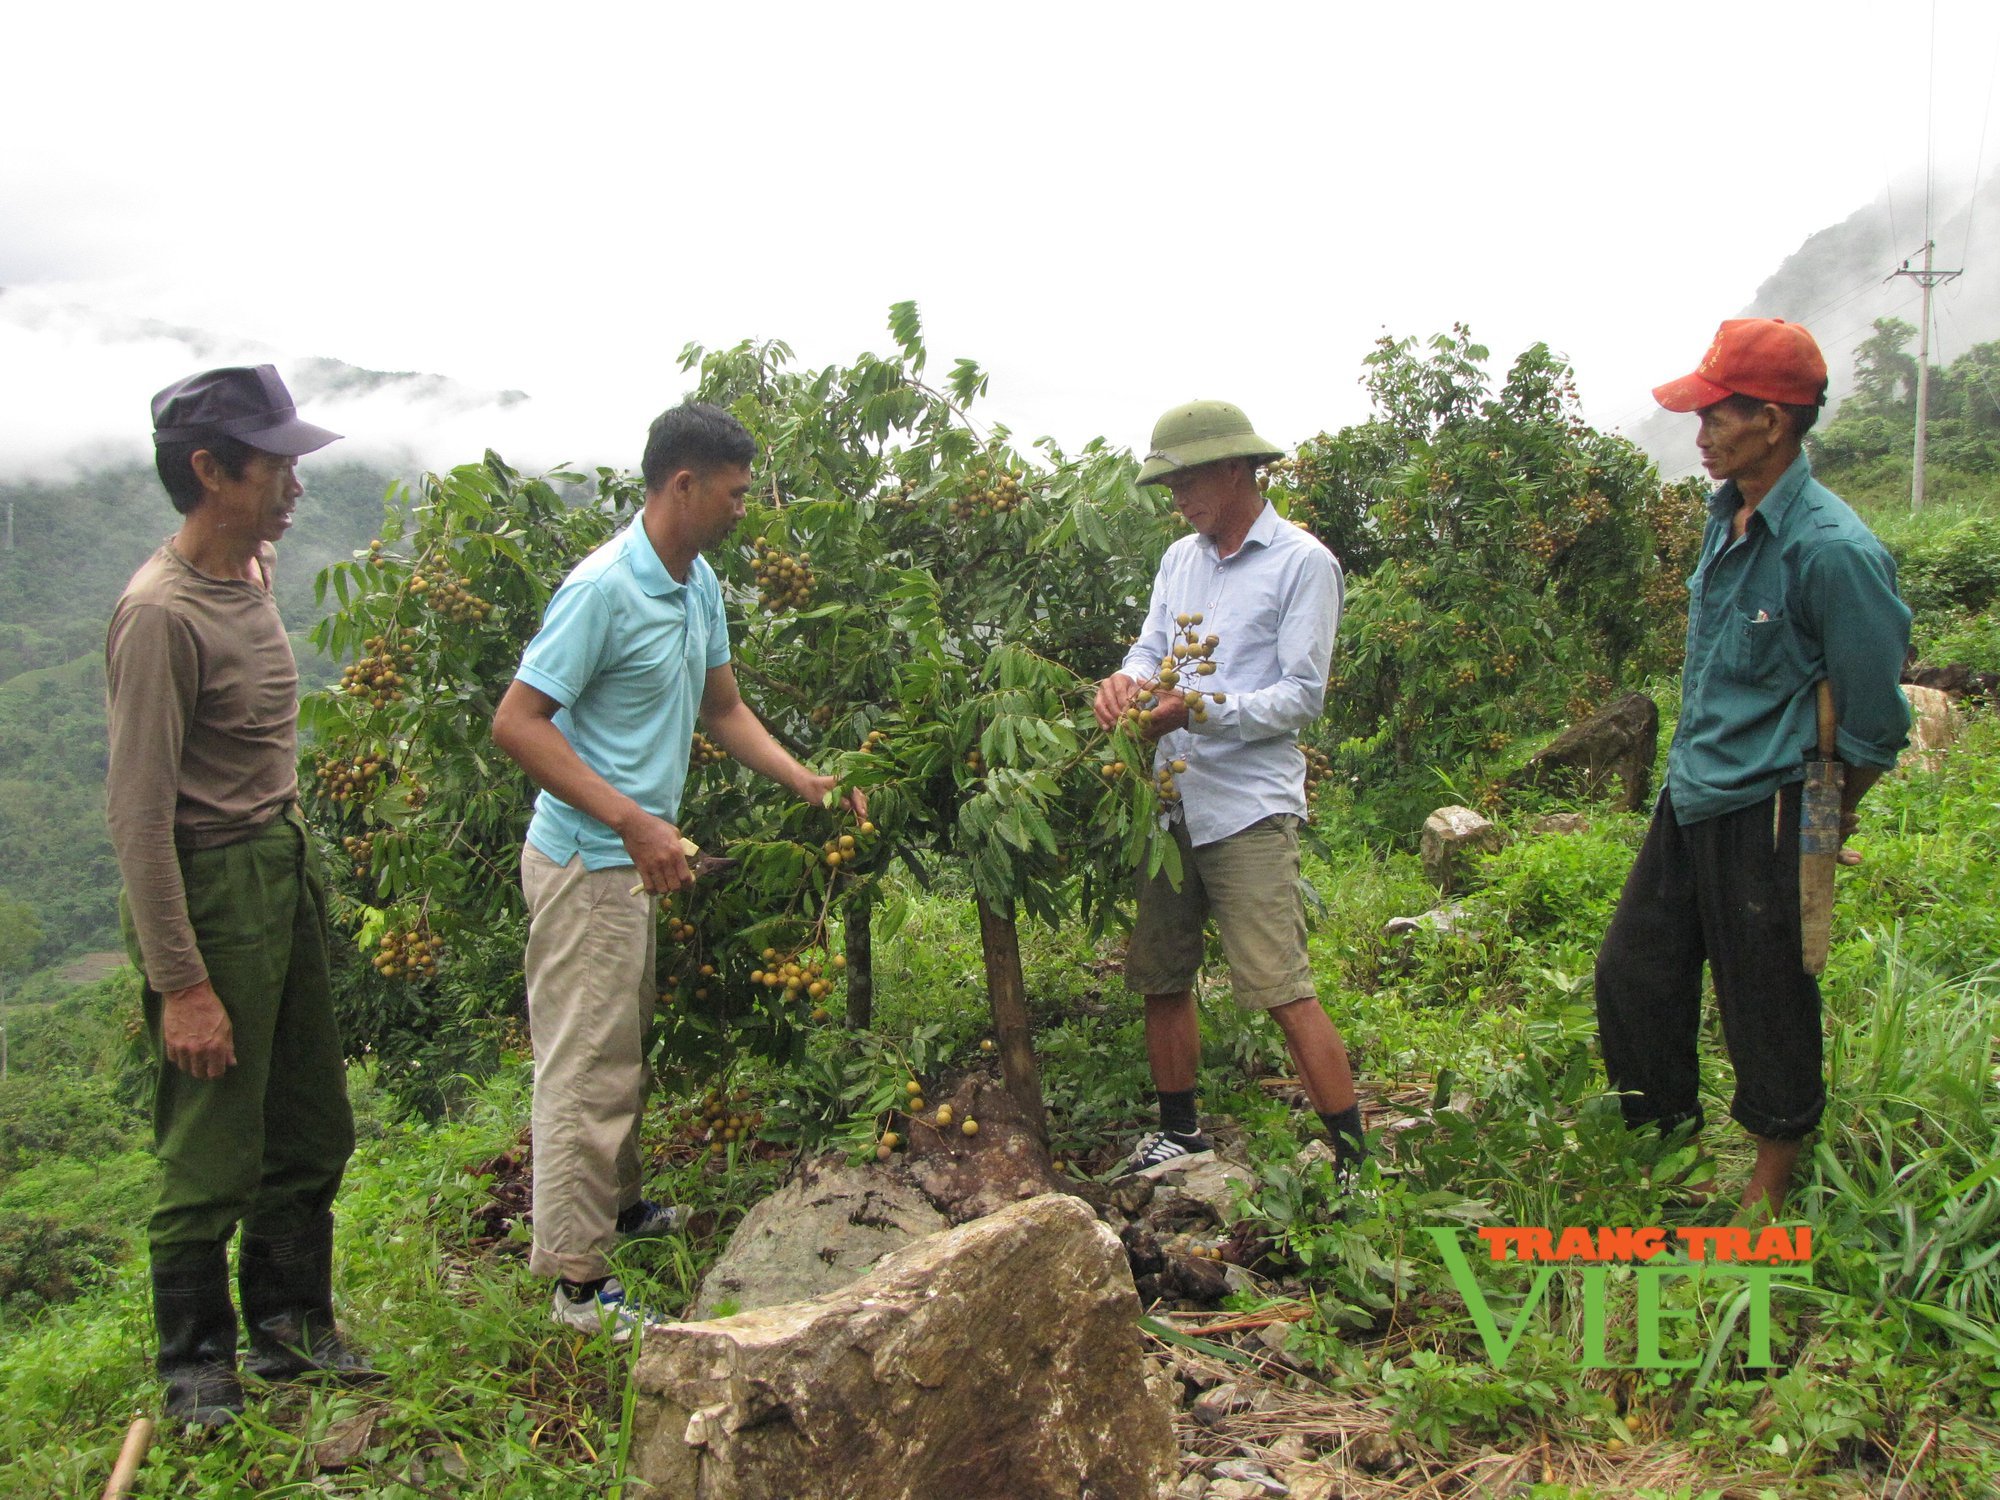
1112, 206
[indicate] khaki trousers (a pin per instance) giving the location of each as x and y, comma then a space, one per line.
590, 999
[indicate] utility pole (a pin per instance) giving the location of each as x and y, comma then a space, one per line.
1926, 278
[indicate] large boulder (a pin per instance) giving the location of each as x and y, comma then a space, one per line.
999, 1358
1617, 743
1933, 726
829, 1224
1451, 834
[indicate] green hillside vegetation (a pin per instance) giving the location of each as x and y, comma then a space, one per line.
76, 543
1474, 510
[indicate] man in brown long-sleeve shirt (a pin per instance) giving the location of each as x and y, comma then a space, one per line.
223, 911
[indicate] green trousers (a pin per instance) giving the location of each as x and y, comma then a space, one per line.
265, 1144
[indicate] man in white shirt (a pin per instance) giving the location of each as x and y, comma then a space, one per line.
1270, 594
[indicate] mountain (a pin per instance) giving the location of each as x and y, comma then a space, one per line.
1840, 281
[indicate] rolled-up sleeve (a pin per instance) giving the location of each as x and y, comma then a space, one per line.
1864, 631
1309, 617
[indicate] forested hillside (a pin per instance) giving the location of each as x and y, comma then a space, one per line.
75, 544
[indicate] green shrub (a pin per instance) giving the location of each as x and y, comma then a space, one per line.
43, 1261
62, 1114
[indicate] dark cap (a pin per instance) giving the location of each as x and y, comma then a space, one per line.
246, 402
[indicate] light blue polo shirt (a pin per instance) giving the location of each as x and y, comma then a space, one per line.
626, 651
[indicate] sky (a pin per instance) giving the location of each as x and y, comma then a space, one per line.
1114, 208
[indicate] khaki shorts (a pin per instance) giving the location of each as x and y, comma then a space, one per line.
1250, 883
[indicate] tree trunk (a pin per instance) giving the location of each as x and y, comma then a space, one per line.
1000, 944
860, 948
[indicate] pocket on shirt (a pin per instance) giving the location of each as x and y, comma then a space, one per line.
1761, 647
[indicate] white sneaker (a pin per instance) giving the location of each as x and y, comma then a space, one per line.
648, 1220
1163, 1151
605, 1311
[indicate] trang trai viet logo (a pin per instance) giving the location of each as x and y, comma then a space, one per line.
1743, 1264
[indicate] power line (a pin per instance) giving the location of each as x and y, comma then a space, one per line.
1979, 158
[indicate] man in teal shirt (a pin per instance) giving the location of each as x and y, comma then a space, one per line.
1791, 589
601, 716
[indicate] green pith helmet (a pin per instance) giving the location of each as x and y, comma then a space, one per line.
1199, 432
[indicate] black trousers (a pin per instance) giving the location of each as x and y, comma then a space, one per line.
1724, 891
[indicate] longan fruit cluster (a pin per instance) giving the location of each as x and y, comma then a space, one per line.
874, 740
1319, 770
361, 849
705, 752
813, 979
724, 1121
378, 676
347, 777
1193, 654
680, 930
1164, 783
783, 581
408, 952
845, 848
991, 492
447, 591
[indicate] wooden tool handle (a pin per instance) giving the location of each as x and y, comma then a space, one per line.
138, 1438
1826, 720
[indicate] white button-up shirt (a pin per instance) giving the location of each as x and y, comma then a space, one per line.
1275, 605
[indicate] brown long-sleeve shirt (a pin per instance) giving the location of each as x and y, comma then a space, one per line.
203, 714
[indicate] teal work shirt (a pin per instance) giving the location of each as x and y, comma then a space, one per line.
626, 650
1806, 593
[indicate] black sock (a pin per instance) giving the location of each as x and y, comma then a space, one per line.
1177, 1112
580, 1291
1343, 1128
628, 1218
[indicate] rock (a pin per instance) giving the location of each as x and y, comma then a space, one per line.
1130, 1195
1451, 834
969, 1176
1218, 1402
1933, 726
1290, 1449
1378, 1453
1142, 1250
1212, 1184
828, 1225
1273, 1337
1566, 822
1196, 1278
1443, 920
1237, 1489
1619, 741
1957, 680
345, 1442
990, 1359
1192, 1487
1313, 1484
1241, 1471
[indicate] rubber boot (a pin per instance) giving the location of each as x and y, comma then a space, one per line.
286, 1283
197, 1329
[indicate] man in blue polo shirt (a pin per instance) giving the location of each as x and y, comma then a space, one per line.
601, 715
1791, 589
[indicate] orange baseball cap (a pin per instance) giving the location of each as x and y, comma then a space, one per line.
1766, 359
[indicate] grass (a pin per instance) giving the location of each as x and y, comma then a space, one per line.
1888, 1359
